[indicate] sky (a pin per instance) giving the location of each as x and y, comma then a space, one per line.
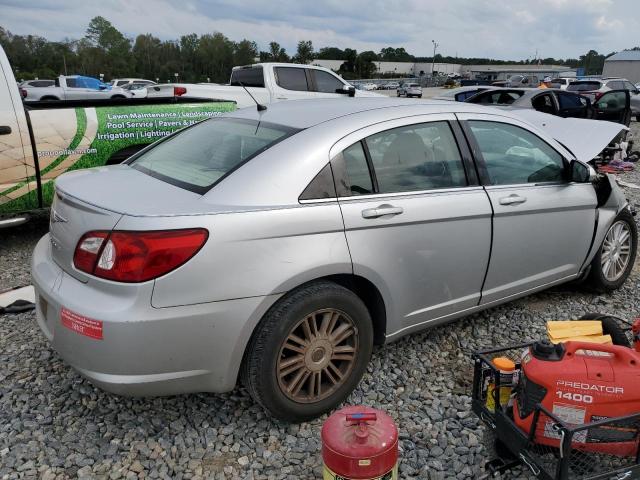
500, 29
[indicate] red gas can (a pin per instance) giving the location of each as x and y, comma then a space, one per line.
360, 443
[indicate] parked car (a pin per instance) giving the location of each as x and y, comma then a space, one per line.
41, 140
460, 94
594, 88
268, 83
614, 106
369, 86
410, 90
283, 273
391, 86
137, 90
37, 83
75, 87
562, 82
121, 82
518, 81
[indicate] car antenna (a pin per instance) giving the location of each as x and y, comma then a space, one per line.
260, 106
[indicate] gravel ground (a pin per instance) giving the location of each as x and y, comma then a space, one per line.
55, 425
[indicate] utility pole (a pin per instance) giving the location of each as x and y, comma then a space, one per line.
433, 60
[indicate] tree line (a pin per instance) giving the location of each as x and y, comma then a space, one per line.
205, 58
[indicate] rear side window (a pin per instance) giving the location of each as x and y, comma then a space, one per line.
292, 78
356, 177
417, 157
496, 98
513, 155
325, 82
198, 157
584, 86
249, 77
122, 82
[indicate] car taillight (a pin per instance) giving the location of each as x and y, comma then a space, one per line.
596, 96
23, 92
125, 256
179, 91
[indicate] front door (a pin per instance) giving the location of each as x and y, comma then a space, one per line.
415, 219
543, 225
614, 106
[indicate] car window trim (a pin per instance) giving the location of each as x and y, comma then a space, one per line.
485, 179
415, 193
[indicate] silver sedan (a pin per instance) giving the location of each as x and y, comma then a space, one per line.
277, 247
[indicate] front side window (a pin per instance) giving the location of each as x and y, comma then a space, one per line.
198, 157
513, 155
416, 157
327, 83
71, 83
292, 78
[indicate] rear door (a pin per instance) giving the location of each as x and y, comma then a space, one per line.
292, 83
571, 105
543, 224
417, 223
614, 106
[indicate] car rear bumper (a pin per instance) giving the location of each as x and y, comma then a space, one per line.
136, 349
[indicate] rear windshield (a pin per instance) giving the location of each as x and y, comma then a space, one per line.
198, 157
247, 77
583, 86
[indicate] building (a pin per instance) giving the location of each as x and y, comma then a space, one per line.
505, 72
625, 64
481, 72
398, 68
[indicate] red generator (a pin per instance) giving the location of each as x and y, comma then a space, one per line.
580, 383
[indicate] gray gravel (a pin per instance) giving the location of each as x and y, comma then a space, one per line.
54, 424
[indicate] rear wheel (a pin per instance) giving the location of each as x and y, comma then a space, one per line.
309, 352
613, 263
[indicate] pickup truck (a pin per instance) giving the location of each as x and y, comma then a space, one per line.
74, 87
267, 83
40, 141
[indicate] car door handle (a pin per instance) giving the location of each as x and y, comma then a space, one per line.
5, 130
381, 211
512, 200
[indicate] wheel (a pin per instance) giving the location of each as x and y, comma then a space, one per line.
613, 263
398, 92
118, 97
308, 352
419, 96
638, 118
48, 99
610, 326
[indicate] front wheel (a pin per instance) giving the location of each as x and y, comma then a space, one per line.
309, 352
613, 263
398, 93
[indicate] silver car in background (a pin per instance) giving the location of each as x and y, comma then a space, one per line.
410, 90
277, 247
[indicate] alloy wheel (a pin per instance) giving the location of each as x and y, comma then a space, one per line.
317, 356
616, 251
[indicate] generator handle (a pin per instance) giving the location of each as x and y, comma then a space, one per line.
619, 351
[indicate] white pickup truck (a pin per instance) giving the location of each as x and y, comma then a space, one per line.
75, 87
41, 140
267, 83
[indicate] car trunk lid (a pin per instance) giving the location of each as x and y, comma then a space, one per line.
96, 199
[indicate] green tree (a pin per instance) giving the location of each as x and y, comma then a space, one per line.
304, 53
365, 66
245, 52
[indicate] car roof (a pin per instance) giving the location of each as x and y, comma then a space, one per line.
302, 114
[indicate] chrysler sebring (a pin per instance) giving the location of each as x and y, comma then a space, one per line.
276, 247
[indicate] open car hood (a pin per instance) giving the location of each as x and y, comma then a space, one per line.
584, 138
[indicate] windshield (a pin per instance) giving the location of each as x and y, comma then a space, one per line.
198, 157
583, 86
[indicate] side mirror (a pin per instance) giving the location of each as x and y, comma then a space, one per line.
347, 90
581, 172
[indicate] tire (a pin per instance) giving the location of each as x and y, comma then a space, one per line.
49, 99
398, 93
603, 279
266, 354
610, 326
118, 97
419, 96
